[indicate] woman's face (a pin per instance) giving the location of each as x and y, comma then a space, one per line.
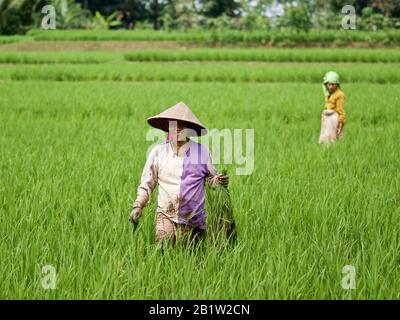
178, 130
331, 87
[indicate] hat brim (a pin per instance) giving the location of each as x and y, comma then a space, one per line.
162, 123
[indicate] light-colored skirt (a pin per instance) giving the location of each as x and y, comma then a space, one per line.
329, 126
166, 230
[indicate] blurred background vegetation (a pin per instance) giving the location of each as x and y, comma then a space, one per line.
20, 16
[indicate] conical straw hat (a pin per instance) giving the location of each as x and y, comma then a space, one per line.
179, 112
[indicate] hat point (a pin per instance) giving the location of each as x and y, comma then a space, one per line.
179, 112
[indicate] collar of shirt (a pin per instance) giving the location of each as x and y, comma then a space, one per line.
182, 150
333, 95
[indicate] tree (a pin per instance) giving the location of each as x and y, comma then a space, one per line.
216, 8
155, 11
17, 16
387, 7
180, 14
134, 10
254, 14
297, 16
70, 14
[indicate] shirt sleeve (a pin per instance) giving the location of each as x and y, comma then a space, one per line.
148, 181
340, 108
213, 174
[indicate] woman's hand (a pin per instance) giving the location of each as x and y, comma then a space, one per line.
223, 180
135, 215
340, 130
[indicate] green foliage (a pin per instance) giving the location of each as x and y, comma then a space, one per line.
373, 21
254, 21
70, 14
213, 9
16, 16
72, 154
101, 22
297, 17
180, 15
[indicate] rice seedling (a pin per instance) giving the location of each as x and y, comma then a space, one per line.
203, 72
267, 55
57, 57
326, 37
120, 35
12, 39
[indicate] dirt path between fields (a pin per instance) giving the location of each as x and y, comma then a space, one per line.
93, 45
123, 46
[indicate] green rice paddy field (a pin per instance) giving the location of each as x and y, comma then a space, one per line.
73, 145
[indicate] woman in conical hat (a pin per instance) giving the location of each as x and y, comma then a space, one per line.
334, 116
180, 168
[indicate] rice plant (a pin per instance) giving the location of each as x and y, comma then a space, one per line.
12, 39
267, 55
220, 219
314, 37
73, 144
203, 72
57, 57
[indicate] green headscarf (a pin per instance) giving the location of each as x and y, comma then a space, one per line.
331, 77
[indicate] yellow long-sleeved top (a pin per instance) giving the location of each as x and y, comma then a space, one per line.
336, 101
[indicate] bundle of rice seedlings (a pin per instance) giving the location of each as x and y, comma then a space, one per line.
220, 219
